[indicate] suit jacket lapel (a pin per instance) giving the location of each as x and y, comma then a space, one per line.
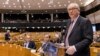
75, 26
68, 24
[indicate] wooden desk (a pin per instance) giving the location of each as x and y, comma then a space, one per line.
14, 50
95, 51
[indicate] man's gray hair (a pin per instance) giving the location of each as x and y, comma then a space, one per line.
73, 5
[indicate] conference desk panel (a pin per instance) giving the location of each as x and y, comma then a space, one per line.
15, 50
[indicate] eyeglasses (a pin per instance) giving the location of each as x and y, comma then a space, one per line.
72, 8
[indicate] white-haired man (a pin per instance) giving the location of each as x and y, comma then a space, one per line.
79, 34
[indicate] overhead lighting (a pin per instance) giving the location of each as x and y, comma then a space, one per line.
6, 2
59, 26
42, 0
13, 3
87, 2
58, 2
39, 6
38, 3
33, 27
32, 16
27, 27
65, 5
51, 1
9, 6
81, 3
43, 27
15, 6
59, 5
17, 0
68, 1
80, 0
28, 3
46, 11
9, 27
54, 26
4, 6
49, 6
24, 6
22, 0
38, 27
48, 27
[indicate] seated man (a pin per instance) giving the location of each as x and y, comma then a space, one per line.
29, 43
7, 35
48, 48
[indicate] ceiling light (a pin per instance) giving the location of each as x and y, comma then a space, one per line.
58, 2
80, 0
42, 0
65, 5
51, 1
87, 2
22, 0
4, 6
49, 6
17, 0
24, 6
48, 27
38, 3
39, 6
54, 26
43, 27
38, 27
81, 3
59, 5
28, 3
46, 11
13, 3
15, 6
9, 6
6, 2
33, 27
68, 1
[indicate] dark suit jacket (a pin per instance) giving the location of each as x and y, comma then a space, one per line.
32, 45
7, 36
81, 36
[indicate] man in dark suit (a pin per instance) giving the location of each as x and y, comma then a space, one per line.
79, 34
29, 43
7, 35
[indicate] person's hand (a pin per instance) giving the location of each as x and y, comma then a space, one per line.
71, 50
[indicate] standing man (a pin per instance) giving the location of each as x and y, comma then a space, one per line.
79, 34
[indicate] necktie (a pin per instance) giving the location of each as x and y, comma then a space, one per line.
69, 31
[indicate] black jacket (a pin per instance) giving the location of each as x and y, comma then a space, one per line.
81, 36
